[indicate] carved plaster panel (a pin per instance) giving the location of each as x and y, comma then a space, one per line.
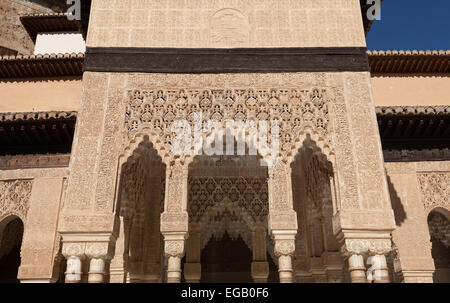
14, 198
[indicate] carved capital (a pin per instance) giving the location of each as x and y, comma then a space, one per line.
174, 248
284, 248
74, 250
366, 247
99, 250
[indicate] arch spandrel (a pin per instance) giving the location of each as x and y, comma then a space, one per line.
300, 113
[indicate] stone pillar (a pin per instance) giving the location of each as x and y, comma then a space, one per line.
334, 267
118, 267
260, 271
260, 266
380, 272
99, 253
75, 255
193, 267
317, 270
282, 218
192, 272
284, 250
174, 251
175, 219
357, 269
358, 249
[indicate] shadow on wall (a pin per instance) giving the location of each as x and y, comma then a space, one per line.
396, 203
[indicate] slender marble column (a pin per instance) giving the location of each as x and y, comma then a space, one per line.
97, 270
284, 250
357, 269
74, 254
100, 254
74, 269
381, 272
174, 251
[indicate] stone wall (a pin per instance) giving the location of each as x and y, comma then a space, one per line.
226, 23
416, 189
40, 95
35, 196
13, 35
400, 90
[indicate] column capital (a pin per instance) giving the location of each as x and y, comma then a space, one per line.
174, 244
364, 242
284, 244
99, 250
76, 249
366, 247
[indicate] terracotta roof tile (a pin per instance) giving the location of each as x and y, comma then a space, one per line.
33, 116
409, 62
413, 110
49, 65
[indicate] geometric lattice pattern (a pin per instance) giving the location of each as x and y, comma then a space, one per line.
250, 194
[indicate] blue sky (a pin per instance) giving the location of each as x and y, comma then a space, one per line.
411, 24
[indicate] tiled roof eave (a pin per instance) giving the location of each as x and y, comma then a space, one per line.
35, 116
49, 22
35, 66
413, 110
409, 62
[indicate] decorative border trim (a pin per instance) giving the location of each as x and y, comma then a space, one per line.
239, 60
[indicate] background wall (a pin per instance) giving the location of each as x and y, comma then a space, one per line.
416, 188
226, 23
407, 90
40, 95
13, 35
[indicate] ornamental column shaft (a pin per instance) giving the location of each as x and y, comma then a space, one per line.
282, 218
174, 219
75, 255
100, 254
357, 269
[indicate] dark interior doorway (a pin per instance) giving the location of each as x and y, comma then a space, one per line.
226, 261
10, 244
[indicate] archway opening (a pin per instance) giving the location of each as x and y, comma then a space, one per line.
226, 260
317, 257
439, 226
228, 207
11, 233
139, 254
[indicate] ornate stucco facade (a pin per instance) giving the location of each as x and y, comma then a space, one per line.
359, 190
